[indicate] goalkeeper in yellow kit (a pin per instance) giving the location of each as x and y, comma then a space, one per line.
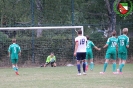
51, 59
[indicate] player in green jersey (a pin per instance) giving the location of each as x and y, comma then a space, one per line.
14, 52
111, 52
123, 44
89, 53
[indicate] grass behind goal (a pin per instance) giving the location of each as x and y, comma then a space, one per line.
65, 77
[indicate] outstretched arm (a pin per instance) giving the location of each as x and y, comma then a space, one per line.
97, 48
105, 46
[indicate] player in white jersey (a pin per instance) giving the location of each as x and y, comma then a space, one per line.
80, 51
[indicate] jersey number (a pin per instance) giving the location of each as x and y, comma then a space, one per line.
113, 44
121, 42
82, 41
14, 49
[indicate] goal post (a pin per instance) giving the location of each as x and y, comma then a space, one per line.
57, 39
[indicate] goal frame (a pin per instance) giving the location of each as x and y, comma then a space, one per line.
47, 27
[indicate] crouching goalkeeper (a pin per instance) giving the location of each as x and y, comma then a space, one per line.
51, 59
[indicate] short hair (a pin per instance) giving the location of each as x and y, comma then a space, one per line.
125, 30
13, 40
87, 37
79, 32
114, 33
52, 53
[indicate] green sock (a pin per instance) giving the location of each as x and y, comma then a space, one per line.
114, 67
105, 66
121, 66
86, 63
14, 68
91, 66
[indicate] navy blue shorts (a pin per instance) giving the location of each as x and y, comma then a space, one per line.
81, 56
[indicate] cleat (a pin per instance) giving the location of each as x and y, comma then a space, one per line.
41, 66
101, 72
120, 73
16, 73
79, 74
84, 73
118, 70
86, 68
115, 73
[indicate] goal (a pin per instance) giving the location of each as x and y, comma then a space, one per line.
57, 39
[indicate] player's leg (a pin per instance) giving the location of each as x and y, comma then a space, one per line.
84, 66
14, 65
107, 57
105, 64
114, 62
54, 64
46, 64
87, 57
91, 61
119, 58
124, 57
120, 61
122, 65
114, 66
86, 62
13, 61
16, 70
17, 66
91, 64
78, 63
16, 61
83, 61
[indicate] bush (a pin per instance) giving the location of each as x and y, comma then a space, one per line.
4, 43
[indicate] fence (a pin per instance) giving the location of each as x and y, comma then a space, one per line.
17, 13
59, 42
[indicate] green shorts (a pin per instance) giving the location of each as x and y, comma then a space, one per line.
14, 61
89, 55
110, 55
122, 56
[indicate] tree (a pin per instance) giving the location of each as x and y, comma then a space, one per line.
40, 15
111, 15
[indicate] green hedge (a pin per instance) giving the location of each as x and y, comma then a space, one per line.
41, 47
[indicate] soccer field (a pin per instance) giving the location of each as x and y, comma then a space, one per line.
65, 77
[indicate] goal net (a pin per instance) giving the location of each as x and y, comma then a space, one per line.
38, 42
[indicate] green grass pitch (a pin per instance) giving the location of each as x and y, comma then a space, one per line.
65, 77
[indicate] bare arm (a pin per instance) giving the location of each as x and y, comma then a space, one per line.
8, 54
127, 46
97, 48
76, 47
105, 46
20, 53
127, 43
